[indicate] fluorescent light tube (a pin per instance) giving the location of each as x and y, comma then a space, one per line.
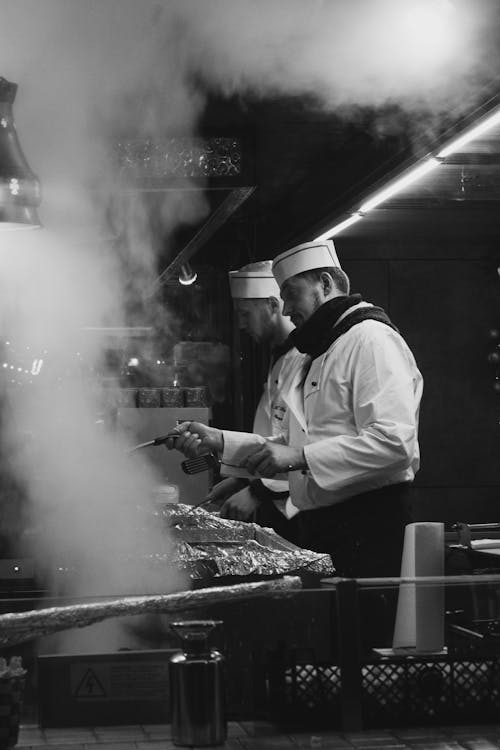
466, 138
338, 227
396, 187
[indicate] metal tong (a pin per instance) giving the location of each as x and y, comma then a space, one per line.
200, 463
194, 466
155, 441
190, 465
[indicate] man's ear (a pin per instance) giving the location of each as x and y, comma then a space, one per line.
327, 283
274, 304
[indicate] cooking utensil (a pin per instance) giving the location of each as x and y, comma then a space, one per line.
200, 463
155, 441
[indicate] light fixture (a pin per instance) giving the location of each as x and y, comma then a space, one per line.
414, 173
19, 186
486, 124
408, 178
186, 275
400, 184
353, 218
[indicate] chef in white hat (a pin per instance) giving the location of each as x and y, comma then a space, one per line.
351, 445
258, 305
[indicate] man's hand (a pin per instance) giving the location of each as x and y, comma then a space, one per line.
240, 506
274, 458
223, 490
195, 439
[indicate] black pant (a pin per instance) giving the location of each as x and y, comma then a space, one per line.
364, 534
268, 515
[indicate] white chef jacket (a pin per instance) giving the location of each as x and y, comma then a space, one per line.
271, 418
355, 412
271, 414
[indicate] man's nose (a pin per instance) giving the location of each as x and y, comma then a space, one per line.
286, 309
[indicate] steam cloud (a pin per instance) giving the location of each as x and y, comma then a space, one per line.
93, 71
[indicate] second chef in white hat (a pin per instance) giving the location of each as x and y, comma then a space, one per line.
259, 309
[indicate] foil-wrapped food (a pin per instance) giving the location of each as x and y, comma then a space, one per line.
17, 627
208, 546
191, 524
249, 558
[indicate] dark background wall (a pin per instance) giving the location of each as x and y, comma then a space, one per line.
445, 308
436, 274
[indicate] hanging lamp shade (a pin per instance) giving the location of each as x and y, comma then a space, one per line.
19, 186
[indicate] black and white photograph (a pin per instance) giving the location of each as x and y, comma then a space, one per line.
250, 374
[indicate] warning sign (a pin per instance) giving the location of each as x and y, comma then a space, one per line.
118, 687
89, 681
136, 681
119, 681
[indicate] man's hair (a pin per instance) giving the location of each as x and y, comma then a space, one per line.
340, 278
259, 265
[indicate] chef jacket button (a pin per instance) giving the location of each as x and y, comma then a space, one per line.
276, 382
314, 382
304, 472
302, 429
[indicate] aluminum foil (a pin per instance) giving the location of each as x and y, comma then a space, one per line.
249, 558
191, 524
209, 546
16, 627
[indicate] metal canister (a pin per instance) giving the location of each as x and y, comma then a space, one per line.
197, 699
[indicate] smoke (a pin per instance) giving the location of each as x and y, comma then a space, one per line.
432, 58
87, 78
93, 73
88, 499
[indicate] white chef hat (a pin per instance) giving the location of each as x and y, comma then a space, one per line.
305, 257
254, 281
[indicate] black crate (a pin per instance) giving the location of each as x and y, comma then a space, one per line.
394, 692
415, 692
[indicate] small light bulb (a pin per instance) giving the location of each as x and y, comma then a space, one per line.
186, 275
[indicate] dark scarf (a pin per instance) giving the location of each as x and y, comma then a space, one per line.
319, 332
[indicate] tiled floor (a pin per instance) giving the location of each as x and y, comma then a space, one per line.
263, 736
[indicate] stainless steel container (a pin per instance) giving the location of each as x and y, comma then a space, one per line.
197, 699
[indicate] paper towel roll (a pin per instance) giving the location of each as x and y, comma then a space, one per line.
420, 613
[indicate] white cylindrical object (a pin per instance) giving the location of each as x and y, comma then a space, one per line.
419, 624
